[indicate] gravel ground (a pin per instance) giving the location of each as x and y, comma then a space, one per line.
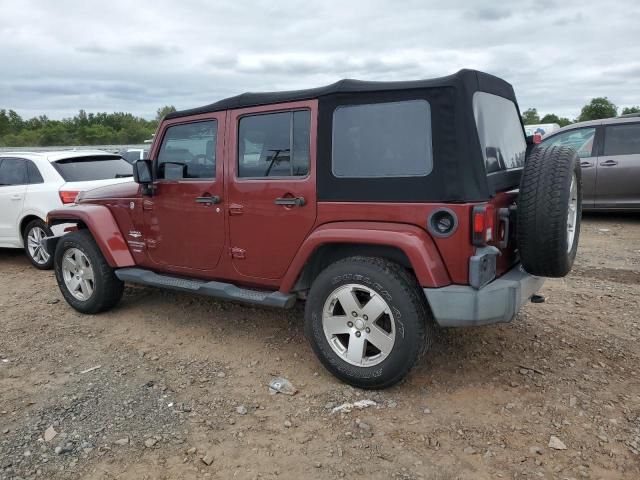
171, 385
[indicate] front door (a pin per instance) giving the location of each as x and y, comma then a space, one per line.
184, 219
13, 188
618, 184
271, 186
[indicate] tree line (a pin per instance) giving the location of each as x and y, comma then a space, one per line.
121, 128
597, 108
118, 128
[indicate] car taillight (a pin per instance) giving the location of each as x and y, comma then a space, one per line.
482, 224
537, 138
68, 196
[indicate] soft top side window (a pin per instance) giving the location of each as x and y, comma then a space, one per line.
500, 132
391, 139
188, 151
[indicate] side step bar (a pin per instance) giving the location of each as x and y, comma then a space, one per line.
224, 291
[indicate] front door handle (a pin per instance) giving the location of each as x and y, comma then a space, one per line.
16, 196
608, 163
290, 201
210, 199
586, 164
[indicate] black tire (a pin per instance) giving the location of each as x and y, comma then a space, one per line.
38, 261
398, 288
543, 207
107, 288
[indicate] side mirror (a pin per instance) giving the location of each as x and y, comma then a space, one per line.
142, 172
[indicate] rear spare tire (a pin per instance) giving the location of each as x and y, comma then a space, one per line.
549, 211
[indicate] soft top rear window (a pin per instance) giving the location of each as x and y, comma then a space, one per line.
93, 167
500, 132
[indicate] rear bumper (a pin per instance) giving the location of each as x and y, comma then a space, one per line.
496, 302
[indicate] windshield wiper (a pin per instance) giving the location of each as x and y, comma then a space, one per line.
124, 175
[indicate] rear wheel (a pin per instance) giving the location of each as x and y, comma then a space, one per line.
33, 234
367, 321
86, 280
549, 211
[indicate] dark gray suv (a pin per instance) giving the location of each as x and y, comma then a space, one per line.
609, 151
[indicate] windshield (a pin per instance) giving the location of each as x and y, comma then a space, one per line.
102, 167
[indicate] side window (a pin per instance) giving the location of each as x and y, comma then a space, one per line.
580, 139
622, 139
499, 131
377, 140
33, 173
13, 171
274, 145
188, 151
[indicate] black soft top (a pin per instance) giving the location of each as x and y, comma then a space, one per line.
470, 80
458, 174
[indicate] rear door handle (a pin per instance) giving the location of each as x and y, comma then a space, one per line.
586, 164
16, 196
290, 201
209, 200
236, 209
608, 163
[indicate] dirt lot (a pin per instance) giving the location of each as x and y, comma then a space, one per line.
183, 377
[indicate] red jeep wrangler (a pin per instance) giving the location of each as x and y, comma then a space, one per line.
390, 207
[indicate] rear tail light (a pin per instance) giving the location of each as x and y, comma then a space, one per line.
482, 225
68, 196
537, 138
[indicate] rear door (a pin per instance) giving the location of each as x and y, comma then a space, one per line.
581, 140
184, 219
271, 186
618, 184
13, 189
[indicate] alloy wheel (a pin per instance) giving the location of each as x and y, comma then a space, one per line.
34, 246
359, 325
77, 273
572, 213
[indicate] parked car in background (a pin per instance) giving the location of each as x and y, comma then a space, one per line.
32, 184
609, 151
542, 129
132, 155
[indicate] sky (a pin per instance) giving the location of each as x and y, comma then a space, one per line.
57, 57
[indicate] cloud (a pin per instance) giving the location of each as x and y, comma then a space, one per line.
136, 49
489, 13
59, 57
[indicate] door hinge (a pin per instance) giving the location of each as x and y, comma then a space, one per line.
237, 252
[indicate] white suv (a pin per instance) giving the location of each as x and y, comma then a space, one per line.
32, 184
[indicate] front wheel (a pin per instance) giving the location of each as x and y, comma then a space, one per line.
86, 280
367, 321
